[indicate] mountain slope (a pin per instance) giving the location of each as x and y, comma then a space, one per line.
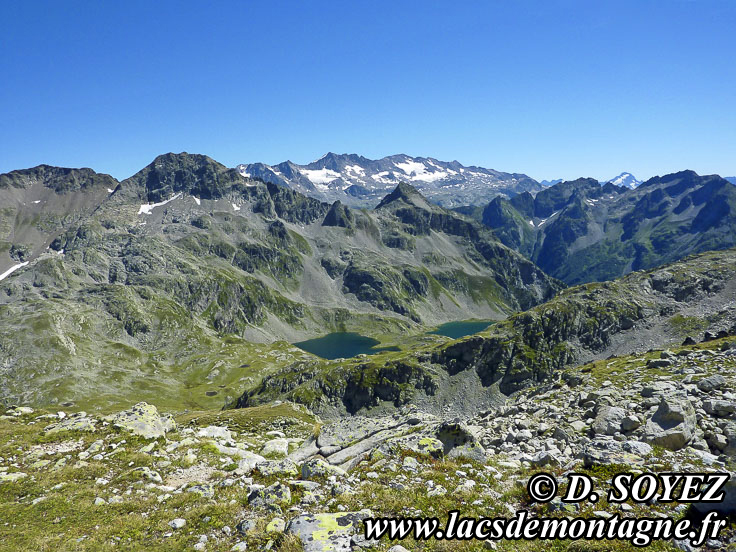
357, 181
38, 204
172, 281
643, 310
579, 231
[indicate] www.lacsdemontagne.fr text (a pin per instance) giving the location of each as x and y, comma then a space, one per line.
639, 531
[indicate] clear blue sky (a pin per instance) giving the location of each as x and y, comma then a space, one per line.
551, 88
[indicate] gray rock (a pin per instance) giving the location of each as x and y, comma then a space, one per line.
578, 425
144, 472
276, 447
471, 451
319, 468
216, 432
177, 523
246, 526
276, 494
423, 444
545, 458
143, 419
283, 467
630, 422
308, 449
327, 532
657, 388
206, 490
711, 383
608, 421
727, 506
637, 447
719, 408
76, 422
608, 451
673, 424
369, 443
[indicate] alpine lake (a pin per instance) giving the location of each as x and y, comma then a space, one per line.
351, 344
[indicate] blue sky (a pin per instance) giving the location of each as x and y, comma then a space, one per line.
553, 89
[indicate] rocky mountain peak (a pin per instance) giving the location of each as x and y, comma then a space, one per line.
403, 192
358, 181
194, 174
625, 180
339, 215
59, 179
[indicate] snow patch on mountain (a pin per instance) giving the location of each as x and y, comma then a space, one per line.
148, 208
361, 182
12, 269
625, 180
320, 176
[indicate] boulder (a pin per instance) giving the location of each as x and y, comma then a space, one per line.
425, 445
607, 451
276, 494
76, 422
673, 424
276, 447
277, 467
327, 532
711, 383
319, 468
216, 432
143, 420
719, 408
630, 423
248, 461
608, 421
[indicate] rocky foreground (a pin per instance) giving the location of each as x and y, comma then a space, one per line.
274, 477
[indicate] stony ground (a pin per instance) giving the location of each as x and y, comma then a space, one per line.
274, 477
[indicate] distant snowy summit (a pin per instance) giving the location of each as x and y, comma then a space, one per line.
624, 180
358, 181
731, 179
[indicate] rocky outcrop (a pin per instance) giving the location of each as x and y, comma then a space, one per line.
143, 420
339, 215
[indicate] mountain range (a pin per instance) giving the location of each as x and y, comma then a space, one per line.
188, 279
172, 275
357, 181
580, 231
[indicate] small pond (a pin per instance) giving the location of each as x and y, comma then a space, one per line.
461, 328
